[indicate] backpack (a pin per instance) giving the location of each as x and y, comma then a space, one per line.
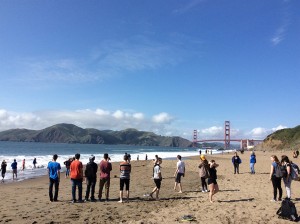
287, 211
294, 171
280, 171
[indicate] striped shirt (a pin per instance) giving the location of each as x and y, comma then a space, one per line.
125, 169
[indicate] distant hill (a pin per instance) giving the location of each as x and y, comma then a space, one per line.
288, 138
69, 133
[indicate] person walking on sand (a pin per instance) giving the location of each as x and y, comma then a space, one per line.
90, 178
105, 168
212, 180
125, 170
276, 180
287, 180
252, 162
180, 171
54, 177
3, 170
157, 177
236, 161
67, 163
14, 168
76, 174
203, 172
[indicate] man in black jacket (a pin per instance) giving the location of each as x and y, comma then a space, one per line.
91, 178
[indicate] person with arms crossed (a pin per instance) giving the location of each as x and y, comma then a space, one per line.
76, 170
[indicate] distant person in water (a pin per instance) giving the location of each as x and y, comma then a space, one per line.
146, 157
23, 165
180, 171
54, 177
34, 163
14, 167
3, 169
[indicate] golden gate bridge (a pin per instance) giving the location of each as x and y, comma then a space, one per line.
244, 143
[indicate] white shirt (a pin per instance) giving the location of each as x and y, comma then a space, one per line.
180, 166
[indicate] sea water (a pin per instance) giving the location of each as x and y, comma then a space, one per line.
43, 152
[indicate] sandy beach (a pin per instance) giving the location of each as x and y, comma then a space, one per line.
243, 198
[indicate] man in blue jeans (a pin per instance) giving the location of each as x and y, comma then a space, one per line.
54, 176
76, 174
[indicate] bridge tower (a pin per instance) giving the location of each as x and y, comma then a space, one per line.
195, 138
227, 134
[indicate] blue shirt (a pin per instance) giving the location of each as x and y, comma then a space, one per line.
14, 165
53, 168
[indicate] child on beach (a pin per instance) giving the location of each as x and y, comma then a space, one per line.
276, 181
203, 172
157, 178
180, 170
212, 180
125, 170
252, 162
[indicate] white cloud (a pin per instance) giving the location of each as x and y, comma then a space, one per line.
279, 127
213, 131
162, 118
262, 133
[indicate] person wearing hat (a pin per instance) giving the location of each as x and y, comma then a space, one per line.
105, 168
90, 178
203, 172
3, 169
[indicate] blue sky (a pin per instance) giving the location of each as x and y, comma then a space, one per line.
164, 66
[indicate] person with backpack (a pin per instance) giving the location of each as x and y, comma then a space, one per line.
236, 161
275, 177
287, 180
252, 162
203, 172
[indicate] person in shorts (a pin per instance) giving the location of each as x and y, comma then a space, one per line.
125, 170
212, 180
157, 177
180, 170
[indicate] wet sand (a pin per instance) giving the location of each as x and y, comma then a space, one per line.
243, 198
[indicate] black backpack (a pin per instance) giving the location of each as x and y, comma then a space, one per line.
288, 211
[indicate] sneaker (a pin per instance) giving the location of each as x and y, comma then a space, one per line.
273, 200
206, 191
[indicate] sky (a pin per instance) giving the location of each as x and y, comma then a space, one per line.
169, 67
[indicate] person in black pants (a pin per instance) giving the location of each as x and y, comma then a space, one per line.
236, 161
276, 181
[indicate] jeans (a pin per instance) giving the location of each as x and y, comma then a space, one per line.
90, 187
287, 184
203, 183
76, 182
67, 172
56, 185
252, 168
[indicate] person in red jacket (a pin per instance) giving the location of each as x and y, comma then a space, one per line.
105, 168
76, 174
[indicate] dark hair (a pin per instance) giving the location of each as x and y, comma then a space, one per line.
179, 157
105, 156
55, 157
126, 157
275, 158
284, 158
77, 156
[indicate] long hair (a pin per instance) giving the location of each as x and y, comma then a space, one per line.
284, 158
275, 158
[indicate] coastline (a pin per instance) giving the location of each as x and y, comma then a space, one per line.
243, 198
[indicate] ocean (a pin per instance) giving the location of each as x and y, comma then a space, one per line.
43, 153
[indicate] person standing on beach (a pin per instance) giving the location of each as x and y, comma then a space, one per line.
252, 162
203, 172
3, 169
180, 171
54, 177
236, 161
212, 180
276, 180
288, 179
157, 178
34, 163
68, 164
90, 178
105, 168
76, 170
125, 170
14, 168
23, 165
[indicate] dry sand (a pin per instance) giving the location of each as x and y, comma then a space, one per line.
243, 198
